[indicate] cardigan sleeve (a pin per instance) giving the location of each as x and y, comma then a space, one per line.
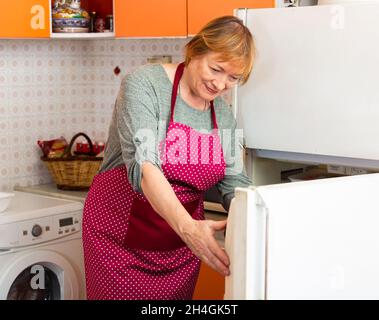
137, 121
235, 175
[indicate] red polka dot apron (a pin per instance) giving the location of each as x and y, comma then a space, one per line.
130, 252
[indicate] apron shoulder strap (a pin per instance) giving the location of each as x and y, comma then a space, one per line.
178, 75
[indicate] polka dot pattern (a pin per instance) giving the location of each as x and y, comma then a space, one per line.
114, 271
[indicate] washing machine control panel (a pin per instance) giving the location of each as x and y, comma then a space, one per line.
36, 230
30, 232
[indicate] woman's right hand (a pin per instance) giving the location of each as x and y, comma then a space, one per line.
199, 237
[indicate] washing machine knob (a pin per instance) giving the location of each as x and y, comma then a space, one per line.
36, 230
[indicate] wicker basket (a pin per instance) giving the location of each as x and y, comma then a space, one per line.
74, 172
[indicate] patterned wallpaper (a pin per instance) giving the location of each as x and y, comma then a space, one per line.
53, 88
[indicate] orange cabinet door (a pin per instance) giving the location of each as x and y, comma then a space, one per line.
200, 11
24, 19
152, 18
210, 284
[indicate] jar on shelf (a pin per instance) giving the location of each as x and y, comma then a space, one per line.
99, 24
109, 22
93, 16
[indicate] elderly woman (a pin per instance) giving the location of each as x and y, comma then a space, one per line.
171, 138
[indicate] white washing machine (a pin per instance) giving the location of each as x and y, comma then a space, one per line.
41, 255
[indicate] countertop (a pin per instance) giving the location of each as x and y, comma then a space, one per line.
52, 191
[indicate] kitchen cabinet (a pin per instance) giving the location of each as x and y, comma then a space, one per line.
200, 11
132, 19
153, 18
173, 18
210, 284
25, 19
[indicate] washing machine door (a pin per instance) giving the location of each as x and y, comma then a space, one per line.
38, 275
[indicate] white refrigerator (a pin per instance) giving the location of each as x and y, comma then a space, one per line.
313, 97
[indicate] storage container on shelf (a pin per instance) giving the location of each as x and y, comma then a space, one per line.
313, 174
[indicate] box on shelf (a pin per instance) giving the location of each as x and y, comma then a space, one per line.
313, 174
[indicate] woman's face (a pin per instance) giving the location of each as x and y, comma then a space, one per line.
210, 77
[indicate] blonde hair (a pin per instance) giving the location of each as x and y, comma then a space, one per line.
230, 38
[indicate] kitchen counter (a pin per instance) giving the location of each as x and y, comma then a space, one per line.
52, 191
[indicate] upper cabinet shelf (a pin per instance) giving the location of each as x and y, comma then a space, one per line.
83, 19
94, 35
130, 18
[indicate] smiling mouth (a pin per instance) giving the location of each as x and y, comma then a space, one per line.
213, 92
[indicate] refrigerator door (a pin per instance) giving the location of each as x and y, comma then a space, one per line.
309, 77
322, 239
